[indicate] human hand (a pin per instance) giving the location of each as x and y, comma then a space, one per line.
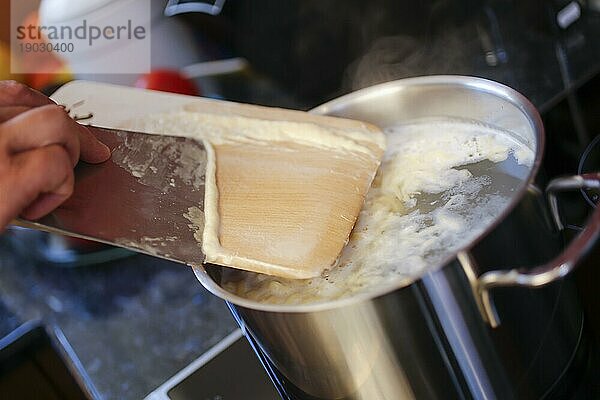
39, 146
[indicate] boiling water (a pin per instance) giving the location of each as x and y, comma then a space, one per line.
475, 201
441, 184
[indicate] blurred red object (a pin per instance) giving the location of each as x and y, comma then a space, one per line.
166, 80
51, 69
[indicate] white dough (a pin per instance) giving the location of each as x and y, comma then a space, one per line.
358, 142
421, 209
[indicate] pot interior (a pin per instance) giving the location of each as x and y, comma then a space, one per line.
414, 99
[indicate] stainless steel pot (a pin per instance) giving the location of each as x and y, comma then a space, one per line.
495, 321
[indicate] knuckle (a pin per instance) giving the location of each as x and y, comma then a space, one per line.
60, 156
68, 185
40, 161
64, 172
71, 185
61, 130
53, 158
54, 112
55, 118
47, 168
14, 88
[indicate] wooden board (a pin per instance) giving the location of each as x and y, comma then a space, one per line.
285, 209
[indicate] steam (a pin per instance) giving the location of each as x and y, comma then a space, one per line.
395, 57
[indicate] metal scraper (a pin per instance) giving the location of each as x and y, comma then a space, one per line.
141, 208
276, 206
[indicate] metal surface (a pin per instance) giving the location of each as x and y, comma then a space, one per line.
175, 7
583, 181
429, 338
560, 266
137, 199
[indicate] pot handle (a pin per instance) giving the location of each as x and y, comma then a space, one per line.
555, 269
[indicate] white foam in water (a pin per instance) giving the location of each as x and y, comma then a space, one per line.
439, 187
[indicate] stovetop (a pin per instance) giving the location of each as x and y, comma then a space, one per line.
231, 371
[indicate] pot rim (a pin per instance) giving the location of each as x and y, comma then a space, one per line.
480, 84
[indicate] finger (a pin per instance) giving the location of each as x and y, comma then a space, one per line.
13, 93
10, 112
92, 150
40, 127
47, 202
31, 175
